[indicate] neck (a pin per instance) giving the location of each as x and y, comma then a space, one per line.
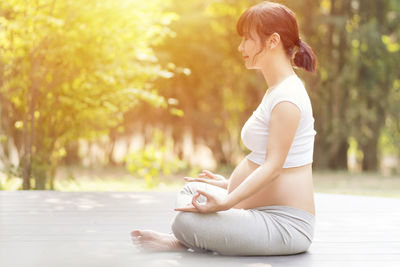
276, 71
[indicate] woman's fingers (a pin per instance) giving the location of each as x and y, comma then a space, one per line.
202, 180
204, 193
190, 179
199, 207
208, 173
189, 207
202, 177
195, 197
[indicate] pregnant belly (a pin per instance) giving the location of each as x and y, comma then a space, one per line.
292, 188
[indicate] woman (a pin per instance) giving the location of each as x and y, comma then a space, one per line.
267, 206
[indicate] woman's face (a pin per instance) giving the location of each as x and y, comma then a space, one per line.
249, 47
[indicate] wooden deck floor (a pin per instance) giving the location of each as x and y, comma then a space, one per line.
57, 229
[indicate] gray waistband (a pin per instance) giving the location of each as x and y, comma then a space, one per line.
302, 220
291, 210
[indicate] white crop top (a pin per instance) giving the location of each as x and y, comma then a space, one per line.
254, 133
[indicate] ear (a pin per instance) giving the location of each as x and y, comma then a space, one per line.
273, 41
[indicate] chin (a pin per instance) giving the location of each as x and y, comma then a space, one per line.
253, 67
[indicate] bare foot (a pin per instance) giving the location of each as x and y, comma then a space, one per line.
149, 240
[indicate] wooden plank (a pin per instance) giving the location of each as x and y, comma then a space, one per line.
92, 229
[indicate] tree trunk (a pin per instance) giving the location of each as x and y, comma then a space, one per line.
26, 174
338, 159
72, 156
370, 160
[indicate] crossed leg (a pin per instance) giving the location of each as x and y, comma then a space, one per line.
269, 230
149, 240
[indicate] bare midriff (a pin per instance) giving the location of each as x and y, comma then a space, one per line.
293, 188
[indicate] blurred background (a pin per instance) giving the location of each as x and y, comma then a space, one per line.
126, 95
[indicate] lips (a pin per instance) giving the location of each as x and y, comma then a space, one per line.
245, 57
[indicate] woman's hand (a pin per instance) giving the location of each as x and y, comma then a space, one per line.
209, 178
213, 203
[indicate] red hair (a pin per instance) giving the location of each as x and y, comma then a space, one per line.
267, 18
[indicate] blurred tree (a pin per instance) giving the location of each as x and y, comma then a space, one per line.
376, 73
70, 70
214, 89
356, 76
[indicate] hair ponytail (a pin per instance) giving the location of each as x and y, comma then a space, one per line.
305, 57
267, 17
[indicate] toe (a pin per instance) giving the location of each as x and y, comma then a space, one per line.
136, 233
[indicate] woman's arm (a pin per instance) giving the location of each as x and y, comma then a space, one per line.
285, 118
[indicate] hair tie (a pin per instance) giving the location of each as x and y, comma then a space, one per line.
298, 42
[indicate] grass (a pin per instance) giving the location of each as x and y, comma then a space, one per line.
118, 179
367, 184
112, 184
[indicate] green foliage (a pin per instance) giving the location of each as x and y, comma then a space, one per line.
354, 149
70, 70
9, 178
216, 92
356, 44
154, 160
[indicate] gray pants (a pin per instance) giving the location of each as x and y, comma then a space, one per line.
267, 230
